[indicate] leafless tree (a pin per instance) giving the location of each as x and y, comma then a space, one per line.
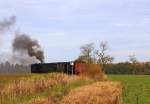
133, 59
103, 57
86, 53
8, 68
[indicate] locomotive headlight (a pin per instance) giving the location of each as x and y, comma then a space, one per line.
72, 63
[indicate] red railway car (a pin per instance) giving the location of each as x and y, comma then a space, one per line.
79, 67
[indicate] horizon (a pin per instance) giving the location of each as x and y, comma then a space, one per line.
61, 27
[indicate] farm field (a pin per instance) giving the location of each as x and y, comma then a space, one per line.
136, 88
56, 88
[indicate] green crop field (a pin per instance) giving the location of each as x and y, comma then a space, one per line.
136, 88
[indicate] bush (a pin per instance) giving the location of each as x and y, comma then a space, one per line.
94, 71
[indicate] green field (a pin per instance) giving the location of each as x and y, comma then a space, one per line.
136, 88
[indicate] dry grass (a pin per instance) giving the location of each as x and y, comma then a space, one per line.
98, 93
42, 101
33, 85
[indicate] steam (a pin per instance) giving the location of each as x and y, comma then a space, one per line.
27, 48
7, 23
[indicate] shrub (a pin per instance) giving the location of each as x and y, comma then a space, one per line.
94, 71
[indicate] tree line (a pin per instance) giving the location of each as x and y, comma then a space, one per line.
7, 68
91, 55
128, 68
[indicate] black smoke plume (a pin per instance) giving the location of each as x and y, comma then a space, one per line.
22, 43
7, 23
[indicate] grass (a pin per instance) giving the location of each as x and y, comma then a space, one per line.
53, 88
6, 79
19, 89
104, 92
56, 92
136, 88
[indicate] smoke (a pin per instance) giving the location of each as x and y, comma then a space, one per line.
6, 24
23, 45
25, 50
22, 58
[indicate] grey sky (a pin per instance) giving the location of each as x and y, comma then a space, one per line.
62, 26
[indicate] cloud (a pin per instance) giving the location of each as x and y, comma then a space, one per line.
131, 52
67, 24
123, 25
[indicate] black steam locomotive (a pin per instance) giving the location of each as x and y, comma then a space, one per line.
65, 67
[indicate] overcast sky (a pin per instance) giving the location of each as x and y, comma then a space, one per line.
62, 26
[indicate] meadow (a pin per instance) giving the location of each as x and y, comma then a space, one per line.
136, 88
57, 88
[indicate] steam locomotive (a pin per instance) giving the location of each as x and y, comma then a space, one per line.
73, 67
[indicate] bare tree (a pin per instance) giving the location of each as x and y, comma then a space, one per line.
8, 68
133, 59
103, 57
86, 53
